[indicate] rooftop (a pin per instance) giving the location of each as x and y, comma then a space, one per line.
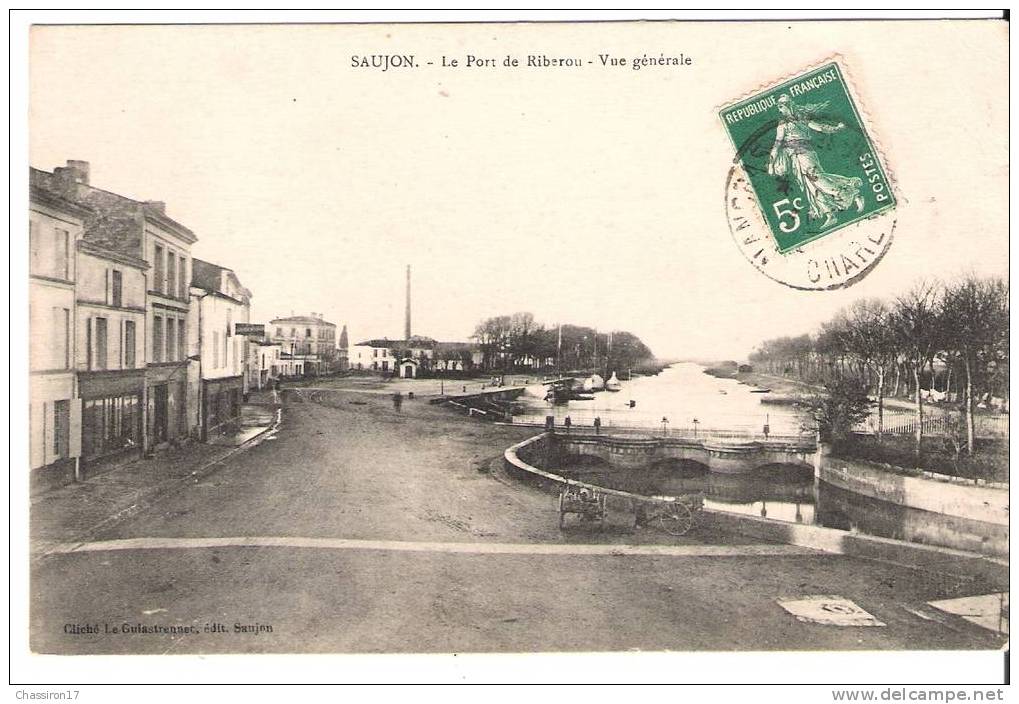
312, 319
209, 276
112, 221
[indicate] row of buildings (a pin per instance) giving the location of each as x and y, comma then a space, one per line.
414, 355
135, 343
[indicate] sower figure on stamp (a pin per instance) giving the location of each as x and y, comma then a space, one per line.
795, 155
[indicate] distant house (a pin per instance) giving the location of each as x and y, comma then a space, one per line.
308, 344
428, 355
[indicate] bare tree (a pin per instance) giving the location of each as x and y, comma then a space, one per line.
916, 325
974, 318
870, 338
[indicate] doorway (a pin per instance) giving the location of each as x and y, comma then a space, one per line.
160, 414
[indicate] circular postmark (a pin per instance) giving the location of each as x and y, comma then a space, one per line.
808, 200
835, 261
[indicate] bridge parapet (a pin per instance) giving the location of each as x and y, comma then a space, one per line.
727, 456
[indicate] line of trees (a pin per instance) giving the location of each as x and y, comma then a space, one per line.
931, 336
517, 342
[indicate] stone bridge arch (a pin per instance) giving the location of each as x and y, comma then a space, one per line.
724, 456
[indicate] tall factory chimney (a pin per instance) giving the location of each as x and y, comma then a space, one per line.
406, 318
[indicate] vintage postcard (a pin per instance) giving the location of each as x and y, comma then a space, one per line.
516, 338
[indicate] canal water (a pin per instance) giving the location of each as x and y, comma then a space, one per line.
783, 493
786, 493
682, 394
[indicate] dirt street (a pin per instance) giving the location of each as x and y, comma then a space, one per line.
363, 529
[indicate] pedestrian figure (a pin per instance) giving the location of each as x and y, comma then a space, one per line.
397, 401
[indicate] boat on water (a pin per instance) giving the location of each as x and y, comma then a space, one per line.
613, 384
562, 390
594, 383
760, 391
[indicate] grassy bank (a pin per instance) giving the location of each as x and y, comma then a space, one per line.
988, 462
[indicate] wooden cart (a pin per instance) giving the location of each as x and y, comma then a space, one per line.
589, 504
676, 515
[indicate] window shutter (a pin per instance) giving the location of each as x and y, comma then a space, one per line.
49, 432
74, 442
38, 440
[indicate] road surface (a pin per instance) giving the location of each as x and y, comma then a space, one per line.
361, 529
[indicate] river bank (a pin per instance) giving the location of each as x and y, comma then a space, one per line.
760, 380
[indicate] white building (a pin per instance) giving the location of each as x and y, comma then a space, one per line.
264, 366
218, 303
308, 343
409, 357
55, 226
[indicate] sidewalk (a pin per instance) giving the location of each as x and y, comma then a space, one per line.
77, 510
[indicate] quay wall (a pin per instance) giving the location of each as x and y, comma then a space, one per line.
944, 512
526, 460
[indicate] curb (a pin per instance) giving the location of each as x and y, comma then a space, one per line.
149, 496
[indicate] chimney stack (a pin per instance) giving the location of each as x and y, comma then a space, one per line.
156, 205
406, 317
79, 170
68, 178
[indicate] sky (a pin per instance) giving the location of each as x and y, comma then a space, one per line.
590, 196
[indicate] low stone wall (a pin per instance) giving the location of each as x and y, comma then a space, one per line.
525, 459
955, 515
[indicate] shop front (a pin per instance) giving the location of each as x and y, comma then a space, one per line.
111, 417
221, 404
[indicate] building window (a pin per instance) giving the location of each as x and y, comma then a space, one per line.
182, 340
293, 332
157, 339
117, 291
229, 323
61, 429
171, 274
50, 251
129, 344
157, 285
61, 338
63, 253
279, 332
171, 340
307, 332
100, 343
183, 278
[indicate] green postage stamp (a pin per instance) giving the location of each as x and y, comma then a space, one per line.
803, 152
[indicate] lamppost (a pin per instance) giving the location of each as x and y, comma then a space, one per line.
665, 425
695, 422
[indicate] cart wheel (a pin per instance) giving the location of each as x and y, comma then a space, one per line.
677, 519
